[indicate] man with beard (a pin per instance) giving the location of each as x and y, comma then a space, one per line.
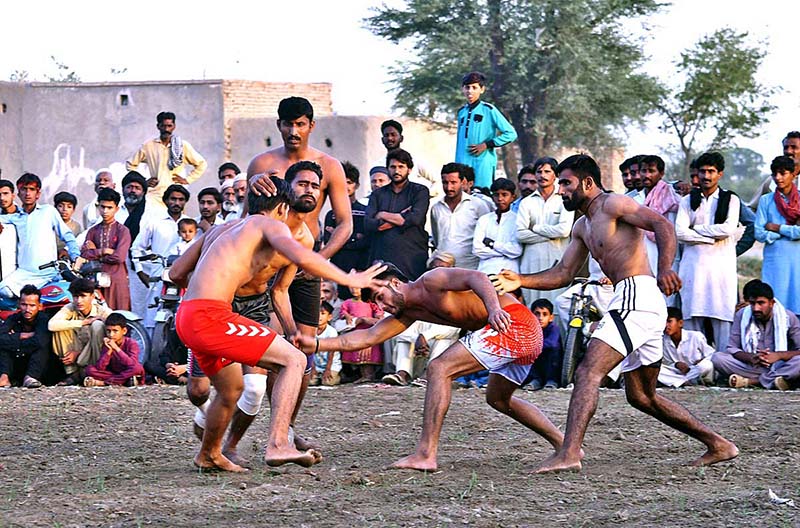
158, 236
503, 336
295, 123
133, 189
167, 157
395, 218
229, 205
252, 300
207, 324
392, 138
631, 332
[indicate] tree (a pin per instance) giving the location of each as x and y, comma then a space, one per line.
564, 71
63, 73
719, 95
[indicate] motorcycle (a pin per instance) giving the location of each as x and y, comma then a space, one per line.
165, 335
55, 294
583, 311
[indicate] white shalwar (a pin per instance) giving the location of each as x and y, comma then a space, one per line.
543, 229
708, 264
652, 258
693, 350
506, 249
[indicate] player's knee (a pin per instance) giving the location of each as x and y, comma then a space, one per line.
639, 400
436, 369
497, 402
98, 327
198, 393
255, 386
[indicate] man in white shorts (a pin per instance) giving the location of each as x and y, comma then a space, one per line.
631, 332
503, 336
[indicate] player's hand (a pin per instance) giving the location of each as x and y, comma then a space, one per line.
305, 343
500, 320
327, 376
682, 367
262, 184
366, 278
669, 282
505, 281
477, 150
421, 347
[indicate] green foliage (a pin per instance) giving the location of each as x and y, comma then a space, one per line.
720, 94
63, 73
565, 72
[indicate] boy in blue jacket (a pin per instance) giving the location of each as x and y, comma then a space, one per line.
481, 129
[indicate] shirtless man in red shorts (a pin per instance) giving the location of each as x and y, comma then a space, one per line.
503, 337
218, 337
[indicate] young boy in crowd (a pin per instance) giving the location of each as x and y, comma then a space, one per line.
547, 368
329, 363
481, 129
119, 358
187, 230
65, 204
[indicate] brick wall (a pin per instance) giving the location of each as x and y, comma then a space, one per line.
254, 99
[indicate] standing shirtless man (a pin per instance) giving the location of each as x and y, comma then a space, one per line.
295, 123
503, 337
254, 301
631, 332
218, 337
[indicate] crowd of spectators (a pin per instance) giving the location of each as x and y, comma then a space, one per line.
475, 221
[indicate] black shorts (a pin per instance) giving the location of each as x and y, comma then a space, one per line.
304, 295
257, 307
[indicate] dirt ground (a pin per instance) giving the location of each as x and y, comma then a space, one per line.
122, 457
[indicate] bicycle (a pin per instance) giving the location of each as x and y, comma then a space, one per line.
583, 311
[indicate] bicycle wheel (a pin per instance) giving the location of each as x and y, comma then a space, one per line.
572, 350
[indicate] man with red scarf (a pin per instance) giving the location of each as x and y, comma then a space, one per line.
778, 227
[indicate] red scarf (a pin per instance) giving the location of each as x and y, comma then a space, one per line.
789, 208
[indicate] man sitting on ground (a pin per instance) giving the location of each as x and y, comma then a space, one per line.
764, 347
24, 342
78, 330
687, 354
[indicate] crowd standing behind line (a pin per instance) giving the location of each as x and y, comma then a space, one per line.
479, 222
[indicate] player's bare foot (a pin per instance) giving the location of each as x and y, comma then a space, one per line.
289, 455
723, 452
556, 463
216, 463
416, 462
198, 431
233, 456
303, 444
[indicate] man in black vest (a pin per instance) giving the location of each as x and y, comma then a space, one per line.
708, 226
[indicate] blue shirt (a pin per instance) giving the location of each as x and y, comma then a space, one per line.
37, 232
482, 123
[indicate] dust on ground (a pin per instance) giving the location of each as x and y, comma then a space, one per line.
123, 457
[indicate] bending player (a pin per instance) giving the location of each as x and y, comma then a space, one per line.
218, 337
503, 337
631, 332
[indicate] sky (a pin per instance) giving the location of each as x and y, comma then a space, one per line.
323, 41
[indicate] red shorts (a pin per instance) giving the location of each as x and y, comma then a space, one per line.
219, 337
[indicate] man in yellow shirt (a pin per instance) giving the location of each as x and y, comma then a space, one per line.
167, 157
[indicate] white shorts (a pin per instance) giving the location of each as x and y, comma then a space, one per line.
502, 365
634, 324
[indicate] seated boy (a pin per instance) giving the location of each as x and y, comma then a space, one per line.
119, 358
329, 363
687, 354
547, 368
78, 330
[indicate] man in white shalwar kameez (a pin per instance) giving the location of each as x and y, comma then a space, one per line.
543, 228
687, 354
708, 265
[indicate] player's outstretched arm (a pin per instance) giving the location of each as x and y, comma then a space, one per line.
556, 277
319, 266
378, 333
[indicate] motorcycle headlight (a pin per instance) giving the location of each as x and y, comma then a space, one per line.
103, 280
172, 290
